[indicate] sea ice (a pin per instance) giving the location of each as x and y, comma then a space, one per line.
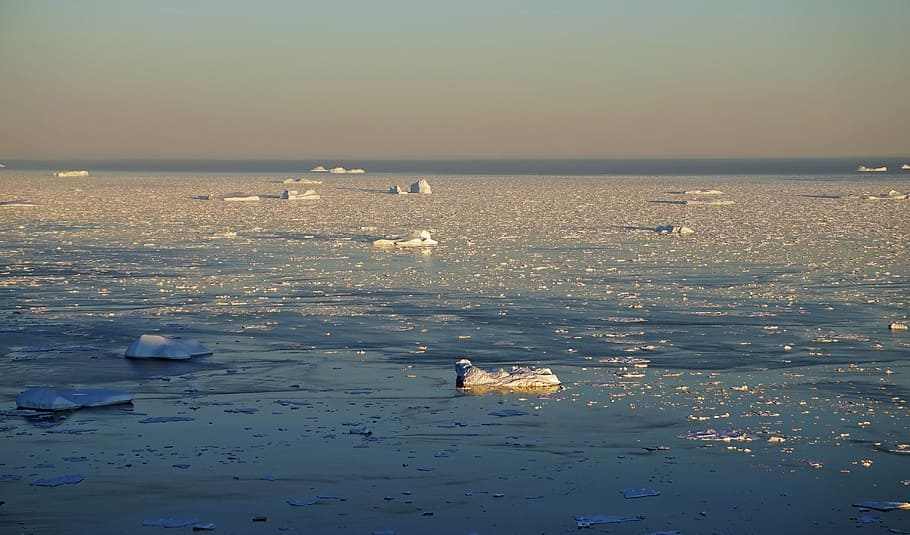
174, 347
45, 399
238, 196
294, 195
519, 377
883, 506
20, 203
171, 522
57, 481
638, 493
898, 326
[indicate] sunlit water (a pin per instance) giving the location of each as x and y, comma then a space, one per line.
770, 321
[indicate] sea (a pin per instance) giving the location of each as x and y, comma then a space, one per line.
748, 377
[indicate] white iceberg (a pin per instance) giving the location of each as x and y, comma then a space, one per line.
397, 190
891, 195
319, 169
18, 203
173, 347
418, 238
238, 196
305, 181
47, 399
865, 169
294, 195
905, 167
671, 229
421, 186
715, 202
338, 170
519, 377
703, 191
356, 171
71, 174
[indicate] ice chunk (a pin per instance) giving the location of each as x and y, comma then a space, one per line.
397, 190
97, 397
519, 377
239, 196
703, 191
670, 229
301, 503
638, 493
898, 326
294, 195
45, 399
883, 506
57, 481
418, 238
71, 174
421, 186
164, 419
505, 413
721, 436
18, 203
586, 521
155, 346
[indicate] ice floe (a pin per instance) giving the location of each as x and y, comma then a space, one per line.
18, 203
703, 191
638, 493
303, 181
519, 377
898, 326
893, 195
418, 238
294, 195
238, 196
586, 521
877, 169
71, 479
173, 347
883, 506
47, 399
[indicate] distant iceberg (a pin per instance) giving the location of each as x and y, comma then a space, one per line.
70, 174
421, 186
905, 167
21, 203
356, 171
302, 180
338, 170
703, 191
319, 169
519, 377
418, 238
671, 229
880, 169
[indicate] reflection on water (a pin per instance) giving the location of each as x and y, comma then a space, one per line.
770, 322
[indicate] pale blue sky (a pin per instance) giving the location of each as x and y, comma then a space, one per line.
425, 79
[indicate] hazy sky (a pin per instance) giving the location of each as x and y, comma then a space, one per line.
452, 79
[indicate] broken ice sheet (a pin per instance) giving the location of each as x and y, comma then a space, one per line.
57, 481
883, 506
723, 435
586, 521
638, 493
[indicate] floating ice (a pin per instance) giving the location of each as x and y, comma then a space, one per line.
891, 195
418, 238
505, 413
638, 493
171, 522
586, 521
721, 436
305, 181
164, 419
397, 190
319, 169
294, 195
898, 326
18, 203
714, 202
174, 347
421, 186
70, 174
301, 503
670, 229
703, 191
883, 506
57, 481
867, 169
520, 377
238, 196
47, 399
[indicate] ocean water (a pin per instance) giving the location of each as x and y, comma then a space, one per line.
774, 396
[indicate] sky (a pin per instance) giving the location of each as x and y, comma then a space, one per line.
428, 79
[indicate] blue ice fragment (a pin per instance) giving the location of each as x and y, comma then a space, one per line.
162, 419
508, 412
10, 477
586, 521
638, 493
170, 522
299, 503
243, 410
57, 481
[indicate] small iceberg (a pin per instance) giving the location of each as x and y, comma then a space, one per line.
47, 399
397, 190
891, 195
670, 229
418, 238
71, 174
714, 202
905, 167
173, 347
338, 170
519, 377
319, 169
879, 169
294, 195
238, 196
421, 186
356, 171
898, 326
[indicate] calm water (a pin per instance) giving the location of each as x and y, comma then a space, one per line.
769, 322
